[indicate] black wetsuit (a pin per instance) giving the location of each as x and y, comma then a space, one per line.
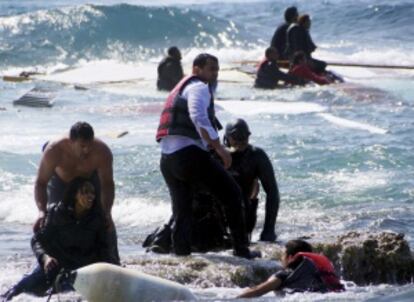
170, 72
279, 40
299, 39
73, 242
268, 76
247, 167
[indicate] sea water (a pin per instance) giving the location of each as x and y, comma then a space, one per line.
343, 154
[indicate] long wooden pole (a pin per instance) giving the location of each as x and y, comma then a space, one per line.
285, 63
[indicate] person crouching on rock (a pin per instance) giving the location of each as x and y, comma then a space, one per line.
74, 235
303, 271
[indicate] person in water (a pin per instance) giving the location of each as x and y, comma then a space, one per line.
279, 37
73, 235
170, 71
251, 165
303, 271
187, 130
269, 74
78, 155
299, 39
301, 69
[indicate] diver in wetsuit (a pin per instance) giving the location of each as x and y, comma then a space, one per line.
251, 165
269, 74
279, 37
170, 71
79, 155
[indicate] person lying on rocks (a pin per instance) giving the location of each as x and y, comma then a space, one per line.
303, 271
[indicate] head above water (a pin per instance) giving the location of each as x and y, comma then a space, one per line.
305, 21
174, 52
80, 194
206, 67
271, 53
237, 135
81, 137
299, 57
291, 14
292, 247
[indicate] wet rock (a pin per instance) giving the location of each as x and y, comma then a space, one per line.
359, 257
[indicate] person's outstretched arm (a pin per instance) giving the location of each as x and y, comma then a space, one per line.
273, 283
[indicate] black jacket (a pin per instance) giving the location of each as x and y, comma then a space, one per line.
279, 39
299, 39
170, 72
72, 242
269, 74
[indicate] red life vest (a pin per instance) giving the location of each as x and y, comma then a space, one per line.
325, 268
175, 117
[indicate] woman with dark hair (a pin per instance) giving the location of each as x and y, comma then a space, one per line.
73, 236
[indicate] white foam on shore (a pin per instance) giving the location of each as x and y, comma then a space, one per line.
346, 123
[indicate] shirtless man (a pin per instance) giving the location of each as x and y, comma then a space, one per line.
80, 154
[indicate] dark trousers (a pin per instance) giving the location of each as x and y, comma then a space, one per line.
190, 167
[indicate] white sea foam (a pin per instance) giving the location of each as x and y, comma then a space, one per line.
346, 123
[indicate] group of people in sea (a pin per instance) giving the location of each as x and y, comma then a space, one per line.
291, 47
213, 185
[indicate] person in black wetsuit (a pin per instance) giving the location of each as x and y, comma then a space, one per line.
279, 37
74, 235
299, 39
170, 71
303, 271
250, 165
269, 74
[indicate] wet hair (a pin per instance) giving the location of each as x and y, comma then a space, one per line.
81, 130
298, 57
237, 130
69, 197
269, 51
290, 13
173, 50
202, 58
303, 19
296, 246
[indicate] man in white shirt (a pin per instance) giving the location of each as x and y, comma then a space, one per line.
187, 130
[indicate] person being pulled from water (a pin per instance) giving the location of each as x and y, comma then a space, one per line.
269, 74
170, 71
303, 271
299, 39
187, 130
249, 165
301, 69
79, 155
279, 37
73, 235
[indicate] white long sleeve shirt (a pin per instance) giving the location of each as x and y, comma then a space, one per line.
198, 98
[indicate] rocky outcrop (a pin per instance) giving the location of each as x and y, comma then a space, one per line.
361, 258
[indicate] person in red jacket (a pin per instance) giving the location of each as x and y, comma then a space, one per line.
303, 271
301, 69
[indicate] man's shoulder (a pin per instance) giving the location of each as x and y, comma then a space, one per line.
195, 85
101, 148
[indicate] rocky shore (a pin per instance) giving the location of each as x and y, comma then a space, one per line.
362, 258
